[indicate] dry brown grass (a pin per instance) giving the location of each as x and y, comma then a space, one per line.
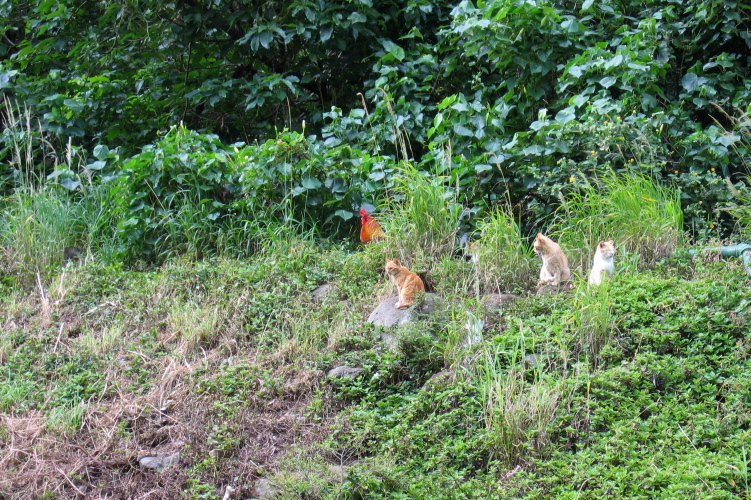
100, 460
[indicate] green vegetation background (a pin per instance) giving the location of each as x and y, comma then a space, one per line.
210, 158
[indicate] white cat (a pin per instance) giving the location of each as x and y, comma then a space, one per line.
603, 262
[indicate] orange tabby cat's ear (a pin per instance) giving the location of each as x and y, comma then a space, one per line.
396, 261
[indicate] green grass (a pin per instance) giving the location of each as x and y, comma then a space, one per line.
569, 395
642, 218
505, 260
634, 389
421, 218
517, 411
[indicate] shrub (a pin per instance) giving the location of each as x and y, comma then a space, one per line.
320, 184
173, 196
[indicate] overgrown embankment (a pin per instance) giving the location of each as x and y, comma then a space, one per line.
638, 389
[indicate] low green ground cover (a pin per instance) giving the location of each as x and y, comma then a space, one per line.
638, 389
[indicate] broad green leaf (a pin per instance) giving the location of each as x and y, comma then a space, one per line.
580, 100
311, 183
575, 71
344, 214
70, 183
393, 49
357, 17
266, 38
446, 102
727, 139
462, 130
614, 62
538, 124
101, 152
608, 81
691, 82
397, 52
326, 32
565, 115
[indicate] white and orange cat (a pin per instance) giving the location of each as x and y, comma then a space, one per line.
603, 262
407, 283
555, 268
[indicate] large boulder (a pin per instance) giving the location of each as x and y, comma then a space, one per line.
387, 315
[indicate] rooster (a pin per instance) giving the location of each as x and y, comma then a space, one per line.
371, 230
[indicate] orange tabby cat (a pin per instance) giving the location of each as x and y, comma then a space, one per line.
555, 268
407, 282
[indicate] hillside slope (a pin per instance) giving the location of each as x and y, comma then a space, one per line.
638, 389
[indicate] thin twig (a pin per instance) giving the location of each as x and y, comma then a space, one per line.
69, 481
59, 334
146, 494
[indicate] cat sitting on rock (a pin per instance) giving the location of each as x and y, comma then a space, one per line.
408, 284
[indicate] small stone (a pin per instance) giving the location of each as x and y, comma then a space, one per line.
263, 489
344, 372
324, 291
494, 301
442, 379
219, 454
531, 361
160, 461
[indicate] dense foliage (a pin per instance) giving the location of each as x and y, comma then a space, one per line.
515, 100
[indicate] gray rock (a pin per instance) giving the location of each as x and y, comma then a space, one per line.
440, 380
160, 462
495, 301
539, 360
531, 361
325, 291
344, 372
390, 341
263, 489
385, 314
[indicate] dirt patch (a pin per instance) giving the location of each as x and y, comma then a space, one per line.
173, 418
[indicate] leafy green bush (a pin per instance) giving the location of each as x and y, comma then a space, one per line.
173, 197
321, 184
